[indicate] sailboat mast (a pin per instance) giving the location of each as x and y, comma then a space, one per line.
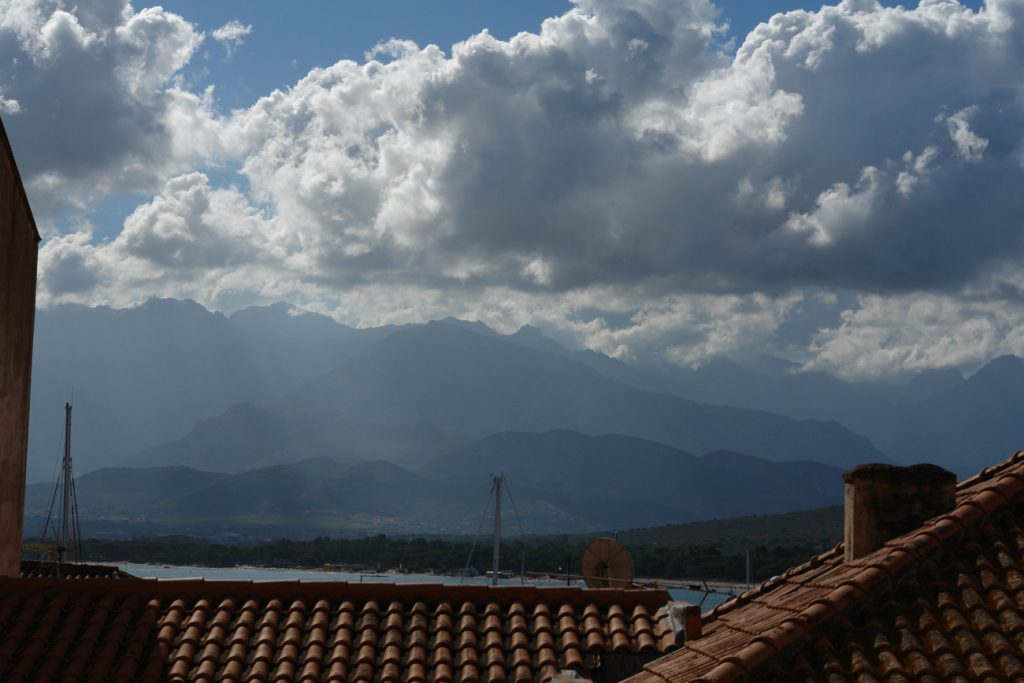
66, 477
497, 528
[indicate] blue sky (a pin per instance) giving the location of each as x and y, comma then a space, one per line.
843, 191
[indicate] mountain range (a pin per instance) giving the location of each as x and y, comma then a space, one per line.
171, 384
424, 390
938, 416
139, 377
560, 481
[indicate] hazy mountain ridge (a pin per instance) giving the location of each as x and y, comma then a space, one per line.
560, 481
973, 424
425, 390
144, 377
465, 383
140, 377
937, 416
618, 480
122, 491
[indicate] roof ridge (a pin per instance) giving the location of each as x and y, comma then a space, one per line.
1016, 460
628, 597
768, 584
148, 630
880, 569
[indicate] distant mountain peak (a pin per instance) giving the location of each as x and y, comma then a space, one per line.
278, 308
998, 370
286, 319
164, 306
1004, 362
471, 325
534, 338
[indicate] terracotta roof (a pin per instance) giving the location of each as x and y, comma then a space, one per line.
944, 602
195, 630
70, 570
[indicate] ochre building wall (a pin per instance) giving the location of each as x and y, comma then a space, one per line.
18, 254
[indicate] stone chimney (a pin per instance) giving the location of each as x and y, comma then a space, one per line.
885, 501
18, 251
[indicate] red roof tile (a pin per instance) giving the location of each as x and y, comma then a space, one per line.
941, 603
194, 630
70, 570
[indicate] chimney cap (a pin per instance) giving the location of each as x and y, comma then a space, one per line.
923, 473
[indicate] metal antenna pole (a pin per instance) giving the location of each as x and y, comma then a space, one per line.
497, 528
66, 475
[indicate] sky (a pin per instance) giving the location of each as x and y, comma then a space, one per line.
663, 180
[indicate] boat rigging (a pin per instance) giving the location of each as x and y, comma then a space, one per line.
495, 573
62, 523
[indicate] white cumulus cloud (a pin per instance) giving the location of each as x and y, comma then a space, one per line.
618, 175
231, 35
95, 97
969, 144
883, 336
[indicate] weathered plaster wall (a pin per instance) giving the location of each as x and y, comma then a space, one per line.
18, 253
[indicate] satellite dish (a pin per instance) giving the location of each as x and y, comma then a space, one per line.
606, 564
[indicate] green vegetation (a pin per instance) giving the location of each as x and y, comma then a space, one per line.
820, 528
714, 550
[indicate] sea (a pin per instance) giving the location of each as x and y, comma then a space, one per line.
706, 600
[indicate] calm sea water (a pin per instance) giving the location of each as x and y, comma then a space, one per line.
155, 571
